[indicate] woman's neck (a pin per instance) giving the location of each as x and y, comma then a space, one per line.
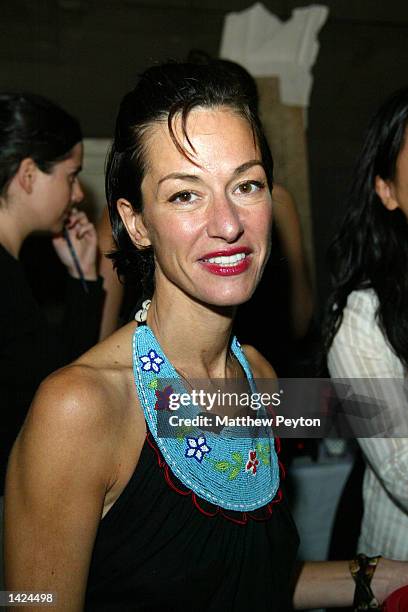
195, 337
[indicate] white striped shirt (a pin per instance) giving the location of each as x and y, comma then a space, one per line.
360, 350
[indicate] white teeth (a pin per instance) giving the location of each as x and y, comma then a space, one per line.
227, 261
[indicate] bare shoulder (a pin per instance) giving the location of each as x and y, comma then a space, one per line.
115, 352
261, 368
70, 422
81, 412
104, 373
76, 393
93, 387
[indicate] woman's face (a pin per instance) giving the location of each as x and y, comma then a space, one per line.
209, 222
399, 186
57, 191
394, 193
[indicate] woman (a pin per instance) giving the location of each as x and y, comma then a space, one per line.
40, 158
102, 513
367, 321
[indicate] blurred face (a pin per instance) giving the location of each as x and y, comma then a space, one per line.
209, 222
55, 193
394, 193
399, 186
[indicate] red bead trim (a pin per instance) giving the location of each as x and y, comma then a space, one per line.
240, 518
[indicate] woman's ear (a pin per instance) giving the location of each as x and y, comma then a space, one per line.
26, 173
133, 221
385, 191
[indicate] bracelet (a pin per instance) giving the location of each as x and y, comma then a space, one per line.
362, 569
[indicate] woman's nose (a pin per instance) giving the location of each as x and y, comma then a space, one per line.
224, 220
77, 192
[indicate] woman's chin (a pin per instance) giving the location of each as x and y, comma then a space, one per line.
231, 300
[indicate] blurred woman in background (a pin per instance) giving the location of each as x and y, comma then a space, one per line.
366, 329
40, 158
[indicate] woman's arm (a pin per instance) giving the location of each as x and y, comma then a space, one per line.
290, 233
322, 584
80, 327
59, 472
288, 226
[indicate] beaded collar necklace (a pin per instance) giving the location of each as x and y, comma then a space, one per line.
235, 472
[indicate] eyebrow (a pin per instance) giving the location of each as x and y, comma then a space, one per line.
193, 177
179, 175
247, 165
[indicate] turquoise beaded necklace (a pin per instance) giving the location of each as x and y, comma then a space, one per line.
235, 472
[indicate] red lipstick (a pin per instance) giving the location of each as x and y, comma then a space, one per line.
227, 268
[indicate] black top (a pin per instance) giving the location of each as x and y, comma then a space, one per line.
30, 349
155, 550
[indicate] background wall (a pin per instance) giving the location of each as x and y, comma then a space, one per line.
85, 54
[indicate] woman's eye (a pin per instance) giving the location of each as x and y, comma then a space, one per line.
250, 187
184, 197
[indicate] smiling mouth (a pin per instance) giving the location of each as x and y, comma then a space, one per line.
226, 260
233, 264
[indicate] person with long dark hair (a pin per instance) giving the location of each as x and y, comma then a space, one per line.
366, 329
40, 159
107, 506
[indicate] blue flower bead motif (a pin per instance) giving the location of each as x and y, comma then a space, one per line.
151, 362
197, 448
